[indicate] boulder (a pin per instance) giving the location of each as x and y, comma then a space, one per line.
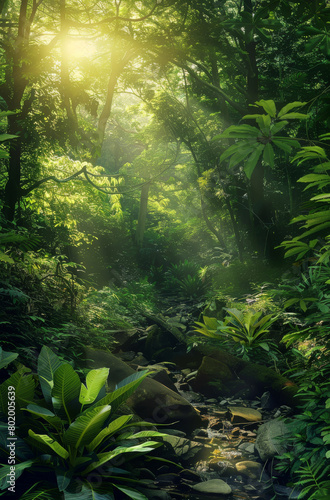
212, 377
158, 342
264, 378
152, 400
253, 378
217, 486
249, 469
270, 439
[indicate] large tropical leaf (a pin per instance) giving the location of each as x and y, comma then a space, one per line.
87, 426
19, 468
106, 457
51, 443
95, 380
48, 363
24, 384
123, 390
113, 427
6, 357
66, 389
45, 414
131, 493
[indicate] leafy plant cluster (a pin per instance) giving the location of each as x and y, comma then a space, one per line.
184, 281
85, 447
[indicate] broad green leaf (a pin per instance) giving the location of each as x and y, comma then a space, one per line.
314, 178
48, 363
268, 155
6, 137
24, 384
131, 493
6, 357
45, 414
282, 145
240, 131
86, 427
241, 154
66, 389
277, 127
113, 427
288, 107
106, 457
269, 107
63, 478
211, 323
19, 468
264, 122
124, 389
51, 443
252, 161
95, 380
294, 116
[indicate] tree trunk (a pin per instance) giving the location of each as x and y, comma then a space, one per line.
143, 210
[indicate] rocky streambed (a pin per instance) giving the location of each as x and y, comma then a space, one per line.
223, 417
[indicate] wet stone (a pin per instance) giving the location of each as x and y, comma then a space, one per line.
217, 486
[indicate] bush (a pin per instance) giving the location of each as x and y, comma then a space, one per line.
82, 434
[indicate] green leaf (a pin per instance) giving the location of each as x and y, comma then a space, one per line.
131, 493
24, 384
66, 389
19, 468
268, 155
252, 161
86, 427
45, 414
6, 137
288, 107
269, 107
95, 380
294, 116
51, 443
241, 154
277, 127
123, 390
120, 450
6, 357
48, 363
240, 131
113, 427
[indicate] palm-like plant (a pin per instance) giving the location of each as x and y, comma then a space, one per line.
245, 328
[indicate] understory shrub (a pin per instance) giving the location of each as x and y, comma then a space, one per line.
71, 441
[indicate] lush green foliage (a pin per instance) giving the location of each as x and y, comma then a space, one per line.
82, 434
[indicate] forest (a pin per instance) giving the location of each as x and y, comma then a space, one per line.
164, 249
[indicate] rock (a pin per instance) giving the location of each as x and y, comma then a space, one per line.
212, 377
264, 378
217, 486
242, 414
270, 439
184, 448
189, 475
247, 448
249, 468
157, 341
259, 378
151, 400
223, 467
126, 339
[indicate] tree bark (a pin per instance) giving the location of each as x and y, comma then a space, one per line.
143, 210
